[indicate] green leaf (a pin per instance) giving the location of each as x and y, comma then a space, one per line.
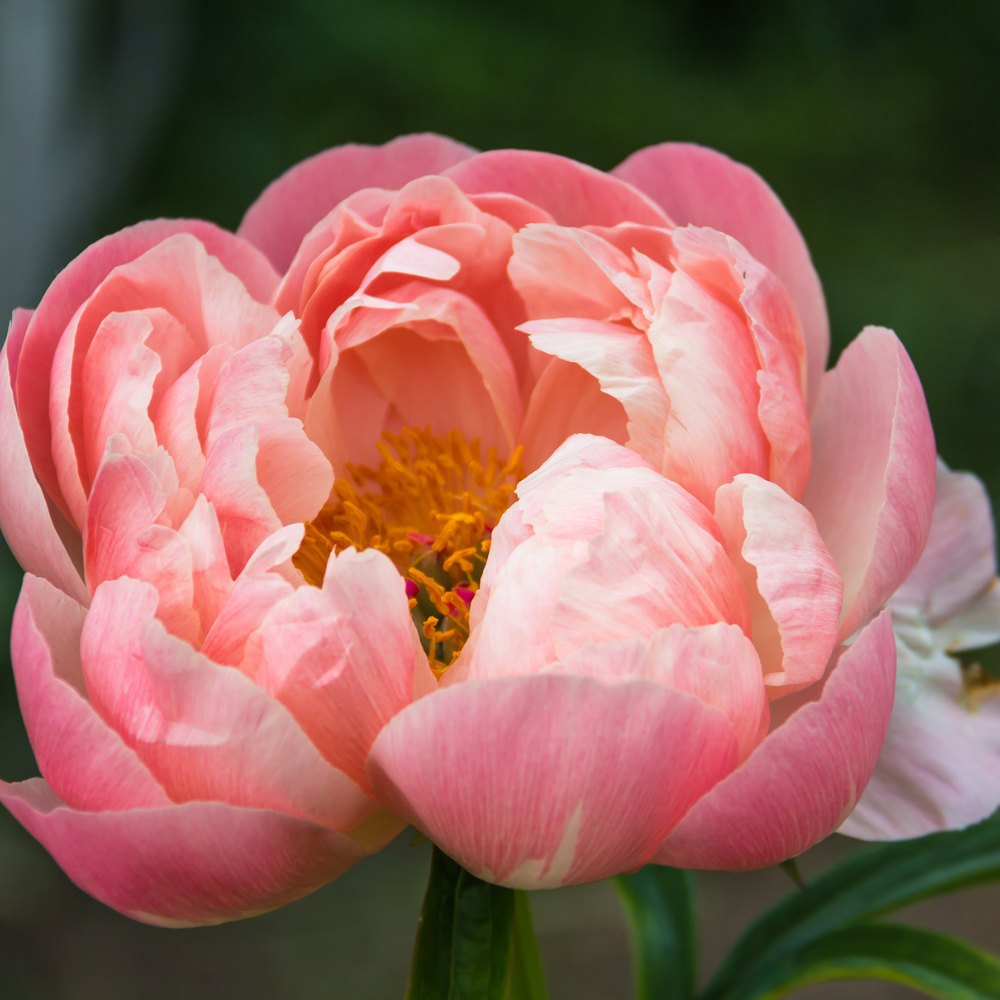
659, 903
527, 978
869, 883
464, 938
935, 964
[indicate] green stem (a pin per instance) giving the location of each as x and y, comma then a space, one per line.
474, 940
527, 977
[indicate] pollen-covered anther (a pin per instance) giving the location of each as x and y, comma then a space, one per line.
430, 507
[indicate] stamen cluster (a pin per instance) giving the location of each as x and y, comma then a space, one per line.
431, 507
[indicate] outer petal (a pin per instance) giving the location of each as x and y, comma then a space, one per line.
715, 663
25, 517
205, 731
872, 485
794, 588
178, 866
807, 775
289, 207
572, 193
77, 282
702, 187
537, 782
85, 762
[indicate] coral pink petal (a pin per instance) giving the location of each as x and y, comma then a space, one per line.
794, 588
25, 517
622, 362
230, 483
702, 187
77, 282
572, 193
118, 376
805, 778
556, 277
279, 219
125, 535
539, 782
179, 866
708, 364
568, 400
204, 731
345, 659
85, 762
872, 485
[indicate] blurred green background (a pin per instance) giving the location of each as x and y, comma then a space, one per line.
876, 121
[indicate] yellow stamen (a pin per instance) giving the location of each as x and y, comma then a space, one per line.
430, 507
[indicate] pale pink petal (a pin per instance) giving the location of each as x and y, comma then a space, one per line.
619, 553
252, 597
622, 362
805, 778
25, 517
568, 400
292, 471
704, 188
74, 285
204, 731
179, 866
959, 560
210, 568
872, 485
84, 761
715, 663
794, 588
538, 782
278, 220
572, 193
343, 659
708, 365
125, 535
940, 766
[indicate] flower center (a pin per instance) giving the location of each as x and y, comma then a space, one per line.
431, 507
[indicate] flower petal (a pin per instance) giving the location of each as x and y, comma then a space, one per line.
343, 659
702, 187
794, 588
27, 521
538, 782
83, 760
572, 193
805, 778
204, 731
290, 206
75, 284
872, 485
179, 866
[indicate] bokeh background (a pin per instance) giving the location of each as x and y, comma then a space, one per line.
876, 121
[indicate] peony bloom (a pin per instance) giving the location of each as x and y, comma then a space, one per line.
490, 493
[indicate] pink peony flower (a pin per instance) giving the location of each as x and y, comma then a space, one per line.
281, 598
